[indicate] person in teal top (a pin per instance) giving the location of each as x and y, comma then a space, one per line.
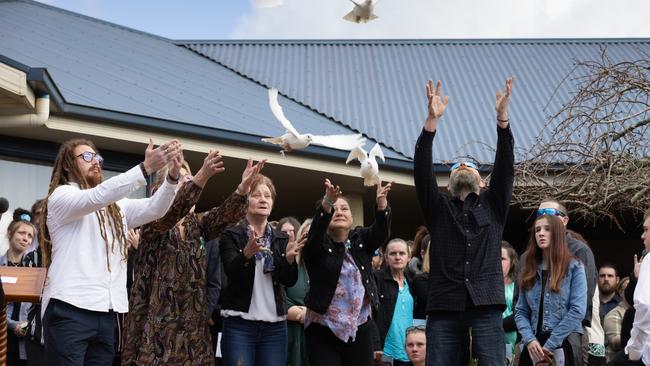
509, 260
396, 303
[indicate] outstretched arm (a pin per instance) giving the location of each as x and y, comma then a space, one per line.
233, 208
503, 172
321, 220
424, 176
378, 233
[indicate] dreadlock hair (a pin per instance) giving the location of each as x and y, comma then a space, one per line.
559, 256
66, 170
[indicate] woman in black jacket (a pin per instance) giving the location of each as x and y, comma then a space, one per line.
342, 289
259, 262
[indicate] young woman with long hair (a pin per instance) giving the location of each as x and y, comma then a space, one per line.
553, 298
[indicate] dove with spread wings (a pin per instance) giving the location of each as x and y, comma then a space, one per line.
362, 12
369, 167
292, 140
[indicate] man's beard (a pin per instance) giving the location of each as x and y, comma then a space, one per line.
463, 180
93, 177
606, 289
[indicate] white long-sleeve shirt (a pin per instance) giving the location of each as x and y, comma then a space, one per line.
638, 346
78, 272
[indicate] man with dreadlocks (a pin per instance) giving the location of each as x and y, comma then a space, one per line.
83, 237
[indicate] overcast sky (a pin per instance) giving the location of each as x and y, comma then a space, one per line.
321, 19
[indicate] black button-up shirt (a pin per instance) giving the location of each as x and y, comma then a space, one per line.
465, 249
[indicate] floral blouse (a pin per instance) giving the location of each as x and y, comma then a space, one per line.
349, 307
167, 323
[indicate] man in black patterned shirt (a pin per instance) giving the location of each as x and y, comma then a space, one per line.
465, 279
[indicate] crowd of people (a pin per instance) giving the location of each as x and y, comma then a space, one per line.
152, 282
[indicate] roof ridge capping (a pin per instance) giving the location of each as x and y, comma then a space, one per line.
88, 17
452, 41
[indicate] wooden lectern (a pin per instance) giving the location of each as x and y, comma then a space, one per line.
24, 284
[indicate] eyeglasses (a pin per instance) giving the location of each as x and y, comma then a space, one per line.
550, 211
468, 164
88, 157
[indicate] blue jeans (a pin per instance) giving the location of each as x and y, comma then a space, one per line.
447, 332
253, 343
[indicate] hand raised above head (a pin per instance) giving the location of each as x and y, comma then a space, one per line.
212, 165
248, 176
332, 193
502, 102
436, 102
436, 105
155, 159
382, 195
174, 165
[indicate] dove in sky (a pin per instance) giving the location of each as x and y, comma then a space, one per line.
292, 140
268, 3
369, 167
362, 12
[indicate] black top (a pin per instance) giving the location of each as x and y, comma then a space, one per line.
238, 292
540, 315
420, 292
324, 257
465, 249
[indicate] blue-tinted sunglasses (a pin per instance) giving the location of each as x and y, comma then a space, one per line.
88, 157
550, 211
468, 164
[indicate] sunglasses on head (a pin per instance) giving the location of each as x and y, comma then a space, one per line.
468, 164
414, 328
88, 157
550, 211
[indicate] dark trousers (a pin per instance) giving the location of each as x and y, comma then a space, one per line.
446, 335
36, 354
621, 360
75, 336
326, 349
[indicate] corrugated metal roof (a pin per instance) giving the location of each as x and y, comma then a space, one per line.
377, 86
108, 67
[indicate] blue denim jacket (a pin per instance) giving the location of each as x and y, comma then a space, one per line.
563, 311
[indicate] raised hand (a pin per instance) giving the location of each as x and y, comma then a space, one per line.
332, 193
248, 176
502, 101
294, 247
212, 164
437, 104
155, 159
254, 245
382, 195
174, 167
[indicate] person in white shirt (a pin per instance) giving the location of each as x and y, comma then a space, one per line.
638, 347
83, 238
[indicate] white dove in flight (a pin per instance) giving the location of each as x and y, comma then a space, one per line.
369, 167
268, 3
362, 13
292, 140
